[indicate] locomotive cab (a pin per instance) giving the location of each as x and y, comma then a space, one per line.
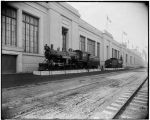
84, 56
113, 63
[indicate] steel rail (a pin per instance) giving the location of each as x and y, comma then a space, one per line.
120, 111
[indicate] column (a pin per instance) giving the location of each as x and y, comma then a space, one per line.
49, 26
95, 48
19, 28
104, 51
40, 37
19, 63
19, 40
86, 44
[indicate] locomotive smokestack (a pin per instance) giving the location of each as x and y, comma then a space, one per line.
51, 46
58, 49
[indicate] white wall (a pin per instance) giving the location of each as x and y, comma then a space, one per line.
52, 17
55, 29
62, 17
75, 36
108, 39
35, 10
31, 62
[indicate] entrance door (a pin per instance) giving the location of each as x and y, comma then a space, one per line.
64, 38
8, 64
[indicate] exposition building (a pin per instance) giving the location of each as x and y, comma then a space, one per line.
28, 26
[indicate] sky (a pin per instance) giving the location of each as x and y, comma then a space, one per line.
128, 17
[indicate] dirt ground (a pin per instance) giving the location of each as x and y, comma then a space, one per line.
76, 98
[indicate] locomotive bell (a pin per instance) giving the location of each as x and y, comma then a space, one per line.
58, 49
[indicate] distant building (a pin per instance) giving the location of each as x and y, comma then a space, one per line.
144, 55
28, 26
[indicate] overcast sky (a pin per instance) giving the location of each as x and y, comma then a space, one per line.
130, 17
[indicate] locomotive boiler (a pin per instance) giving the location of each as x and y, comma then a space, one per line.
67, 60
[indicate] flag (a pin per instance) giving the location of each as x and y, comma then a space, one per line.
124, 33
108, 19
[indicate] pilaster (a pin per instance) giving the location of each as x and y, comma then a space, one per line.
86, 44
19, 63
19, 28
40, 37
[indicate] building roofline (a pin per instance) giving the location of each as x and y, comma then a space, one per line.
63, 4
43, 4
69, 8
107, 33
84, 24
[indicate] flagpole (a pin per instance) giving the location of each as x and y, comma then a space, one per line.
122, 37
106, 23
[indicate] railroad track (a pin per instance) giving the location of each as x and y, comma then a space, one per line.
133, 104
33, 105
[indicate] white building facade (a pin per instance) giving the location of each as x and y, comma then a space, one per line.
28, 26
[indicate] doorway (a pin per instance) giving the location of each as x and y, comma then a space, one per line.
64, 38
8, 64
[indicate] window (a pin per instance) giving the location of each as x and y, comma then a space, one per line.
118, 55
130, 59
9, 26
30, 33
64, 38
82, 43
112, 52
115, 53
126, 58
107, 49
98, 49
91, 47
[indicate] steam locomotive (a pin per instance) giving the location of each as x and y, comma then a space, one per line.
65, 60
114, 63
